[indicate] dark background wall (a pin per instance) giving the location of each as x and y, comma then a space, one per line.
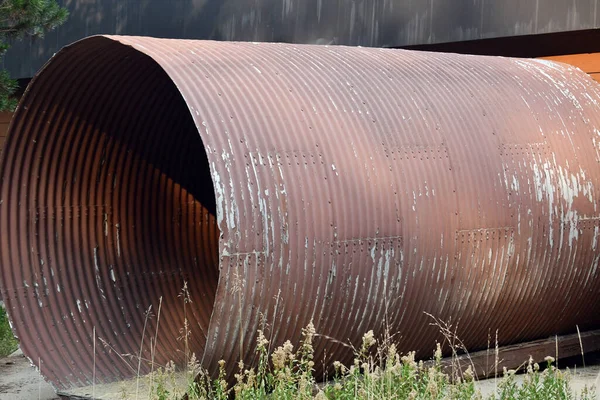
386, 23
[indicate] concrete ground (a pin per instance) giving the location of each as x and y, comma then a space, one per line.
20, 381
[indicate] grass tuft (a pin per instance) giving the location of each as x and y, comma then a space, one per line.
378, 372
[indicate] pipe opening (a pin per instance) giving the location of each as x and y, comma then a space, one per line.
108, 207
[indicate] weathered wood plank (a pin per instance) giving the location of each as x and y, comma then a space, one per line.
515, 356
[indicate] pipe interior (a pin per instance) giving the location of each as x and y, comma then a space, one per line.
124, 236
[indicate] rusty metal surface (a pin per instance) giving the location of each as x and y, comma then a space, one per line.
355, 188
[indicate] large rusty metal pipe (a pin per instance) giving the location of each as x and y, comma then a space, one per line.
356, 188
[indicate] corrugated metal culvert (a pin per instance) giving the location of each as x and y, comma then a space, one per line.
356, 188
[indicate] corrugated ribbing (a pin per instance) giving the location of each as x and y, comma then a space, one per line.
355, 188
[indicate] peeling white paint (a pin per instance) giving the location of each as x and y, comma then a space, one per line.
105, 225
96, 266
118, 226
220, 198
515, 184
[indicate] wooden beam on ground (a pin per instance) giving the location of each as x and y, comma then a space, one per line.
516, 356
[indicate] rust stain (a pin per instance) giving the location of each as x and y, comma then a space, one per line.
344, 186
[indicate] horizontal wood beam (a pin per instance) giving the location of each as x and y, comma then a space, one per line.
512, 357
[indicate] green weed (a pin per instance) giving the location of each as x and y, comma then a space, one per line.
8, 343
378, 371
